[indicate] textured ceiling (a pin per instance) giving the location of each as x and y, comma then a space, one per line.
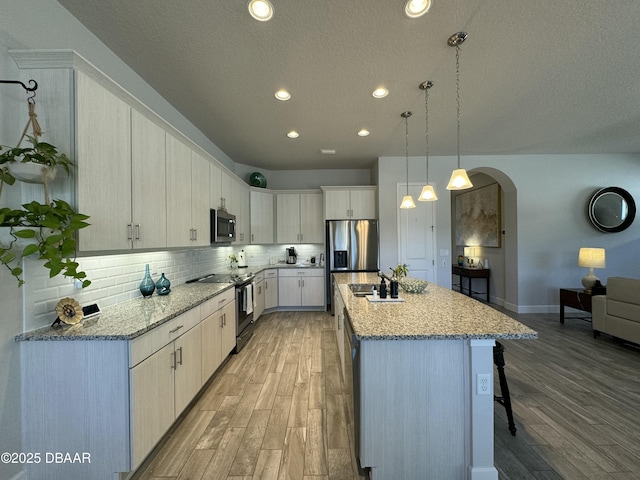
536, 77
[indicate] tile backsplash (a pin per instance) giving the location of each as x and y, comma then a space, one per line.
115, 278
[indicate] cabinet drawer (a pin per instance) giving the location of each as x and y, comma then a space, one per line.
259, 277
273, 273
297, 272
217, 302
146, 345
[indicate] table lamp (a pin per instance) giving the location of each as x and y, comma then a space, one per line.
591, 258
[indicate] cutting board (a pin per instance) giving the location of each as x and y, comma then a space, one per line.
388, 299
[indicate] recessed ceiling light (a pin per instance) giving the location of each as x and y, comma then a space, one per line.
416, 8
363, 133
293, 134
261, 10
380, 92
283, 95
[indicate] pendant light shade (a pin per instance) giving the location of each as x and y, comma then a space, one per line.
428, 194
459, 178
407, 201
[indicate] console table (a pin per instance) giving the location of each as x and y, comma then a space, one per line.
575, 298
470, 274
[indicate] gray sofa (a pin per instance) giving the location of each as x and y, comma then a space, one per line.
618, 312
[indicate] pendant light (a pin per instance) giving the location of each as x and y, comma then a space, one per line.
459, 179
428, 194
407, 201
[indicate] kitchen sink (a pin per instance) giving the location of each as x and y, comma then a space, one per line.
362, 289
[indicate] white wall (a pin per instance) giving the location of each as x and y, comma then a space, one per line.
552, 193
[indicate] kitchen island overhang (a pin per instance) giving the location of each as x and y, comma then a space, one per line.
418, 414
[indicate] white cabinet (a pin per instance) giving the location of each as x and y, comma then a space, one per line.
258, 293
342, 203
218, 331
301, 287
103, 133
299, 218
270, 288
187, 195
121, 172
187, 359
261, 217
241, 211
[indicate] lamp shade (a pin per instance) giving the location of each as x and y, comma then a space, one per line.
407, 202
428, 194
459, 180
592, 258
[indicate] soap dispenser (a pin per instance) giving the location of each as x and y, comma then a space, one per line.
383, 289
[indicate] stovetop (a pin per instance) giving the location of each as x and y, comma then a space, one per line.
236, 278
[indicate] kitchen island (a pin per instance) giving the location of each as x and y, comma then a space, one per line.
418, 413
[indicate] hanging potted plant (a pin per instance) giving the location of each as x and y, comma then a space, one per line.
47, 229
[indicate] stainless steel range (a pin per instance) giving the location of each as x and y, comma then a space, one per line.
244, 303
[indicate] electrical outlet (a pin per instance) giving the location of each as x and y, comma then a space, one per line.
483, 387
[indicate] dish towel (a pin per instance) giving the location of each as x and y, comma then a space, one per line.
248, 299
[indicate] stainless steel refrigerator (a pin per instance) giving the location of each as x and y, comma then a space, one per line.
351, 246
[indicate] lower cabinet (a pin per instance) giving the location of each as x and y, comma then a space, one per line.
258, 295
218, 331
339, 327
270, 288
301, 287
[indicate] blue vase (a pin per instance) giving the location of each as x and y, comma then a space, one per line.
163, 285
147, 285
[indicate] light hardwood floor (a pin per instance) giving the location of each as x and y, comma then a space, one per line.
279, 409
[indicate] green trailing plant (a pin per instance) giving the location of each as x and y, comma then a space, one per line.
400, 271
49, 231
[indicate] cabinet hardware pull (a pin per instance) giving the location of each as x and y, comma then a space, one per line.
221, 301
252, 237
303, 283
180, 361
137, 231
195, 234
129, 231
224, 316
176, 329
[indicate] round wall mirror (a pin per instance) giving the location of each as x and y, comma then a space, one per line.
612, 209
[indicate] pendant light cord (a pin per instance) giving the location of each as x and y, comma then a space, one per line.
458, 97
426, 122
406, 142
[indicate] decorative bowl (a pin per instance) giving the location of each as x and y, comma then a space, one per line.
413, 285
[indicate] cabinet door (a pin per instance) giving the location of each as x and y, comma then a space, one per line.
188, 372
270, 292
312, 291
261, 217
259, 294
288, 218
103, 133
363, 204
200, 220
211, 344
148, 183
179, 230
152, 401
242, 212
337, 204
228, 338
289, 291
226, 200
311, 220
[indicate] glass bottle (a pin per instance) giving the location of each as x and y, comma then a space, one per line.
163, 285
147, 285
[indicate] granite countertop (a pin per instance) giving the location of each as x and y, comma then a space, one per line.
131, 319
438, 313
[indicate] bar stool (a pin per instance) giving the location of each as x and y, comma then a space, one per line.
504, 399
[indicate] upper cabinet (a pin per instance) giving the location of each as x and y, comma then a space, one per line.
241, 210
347, 203
261, 217
187, 196
299, 218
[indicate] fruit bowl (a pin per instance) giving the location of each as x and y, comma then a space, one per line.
413, 285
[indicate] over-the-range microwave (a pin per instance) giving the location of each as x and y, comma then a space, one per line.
223, 226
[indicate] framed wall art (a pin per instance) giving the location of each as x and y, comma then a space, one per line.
478, 217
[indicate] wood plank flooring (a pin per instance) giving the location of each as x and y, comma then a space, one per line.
279, 410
